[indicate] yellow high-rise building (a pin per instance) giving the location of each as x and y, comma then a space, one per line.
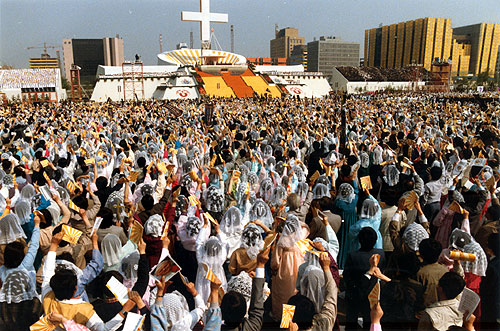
412, 42
483, 39
472, 49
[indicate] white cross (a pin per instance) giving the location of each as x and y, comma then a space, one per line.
204, 17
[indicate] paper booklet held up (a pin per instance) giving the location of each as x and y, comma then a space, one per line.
96, 226
167, 268
468, 302
119, 290
133, 322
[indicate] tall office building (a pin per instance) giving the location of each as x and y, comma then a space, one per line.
88, 54
325, 54
44, 62
413, 42
284, 42
497, 69
483, 39
298, 56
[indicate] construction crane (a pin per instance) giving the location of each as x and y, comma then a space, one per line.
44, 54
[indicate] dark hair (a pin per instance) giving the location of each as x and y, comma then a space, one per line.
147, 202
13, 254
408, 264
141, 162
452, 284
304, 315
101, 183
345, 170
104, 280
48, 218
436, 173
494, 243
233, 308
430, 249
81, 202
293, 202
63, 283
367, 238
494, 212
107, 217
66, 256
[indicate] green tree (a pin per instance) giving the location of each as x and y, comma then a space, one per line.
483, 77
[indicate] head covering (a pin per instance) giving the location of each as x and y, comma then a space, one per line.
278, 197
292, 231
154, 226
129, 266
477, 267
231, 222
369, 209
301, 191
260, 210
215, 200
242, 284
459, 239
17, 287
181, 206
10, 229
28, 192
266, 189
176, 308
312, 285
23, 211
320, 191
377, 155
364, 159
251, 240
413, 235
193, 226
346, 193
111, 247
391, 176
323, 180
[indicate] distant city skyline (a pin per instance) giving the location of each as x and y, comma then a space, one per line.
26, 23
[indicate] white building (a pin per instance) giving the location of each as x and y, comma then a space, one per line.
160, 83
31, 84
297, 82
370, 79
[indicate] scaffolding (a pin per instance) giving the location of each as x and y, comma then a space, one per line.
133, 80
76, 88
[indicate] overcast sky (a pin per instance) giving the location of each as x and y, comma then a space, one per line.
31, 22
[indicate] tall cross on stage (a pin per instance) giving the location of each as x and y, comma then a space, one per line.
205, 17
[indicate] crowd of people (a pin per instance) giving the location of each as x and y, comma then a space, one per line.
18, 78
372, 212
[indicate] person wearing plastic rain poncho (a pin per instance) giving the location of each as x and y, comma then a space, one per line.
245, 257
231, 227
309, 280
188, 229
285, 261
213, 253
370, 216
345, 206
